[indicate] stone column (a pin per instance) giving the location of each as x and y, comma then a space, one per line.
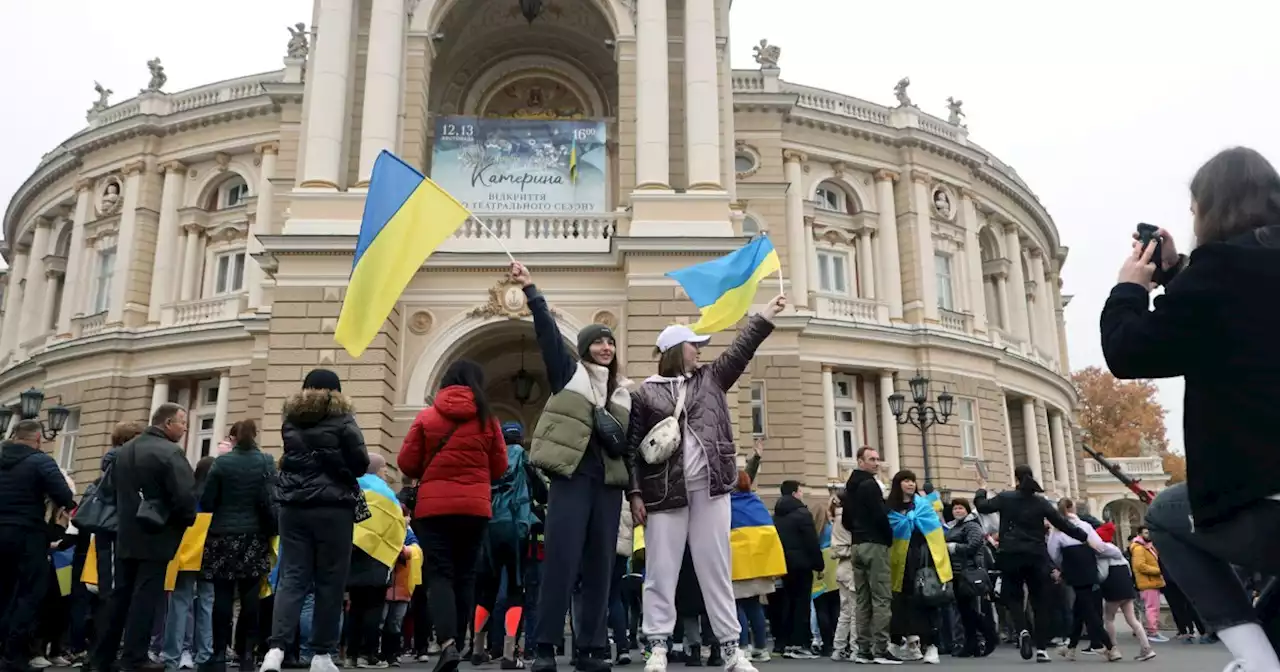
32, 308
162, 271
159, 394
922, 203
1051, 313
887, 233
190, 263
262, 224
73, 293
866, 267
797, 271
47, 316
701, 96
973, 260
126, 242
1043, 332
13, 299
1031, 437
1017, 297
1008, 434
1061, 465
889, 424
379, 124
829, 424
1002, 301
326, 114
220, 407
653, 114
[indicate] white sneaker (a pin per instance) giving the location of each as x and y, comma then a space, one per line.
931, 655
657, 661
40, 662
60, 661
319, 663
735, 660
186, 662
275, 658
761, 656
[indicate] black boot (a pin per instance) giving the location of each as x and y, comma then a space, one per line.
716, 657
693, 656
592, 660
544, 659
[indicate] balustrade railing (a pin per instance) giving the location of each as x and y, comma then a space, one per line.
1133, 466
535, 233
200, 311
161, 104
849, 309
88, 325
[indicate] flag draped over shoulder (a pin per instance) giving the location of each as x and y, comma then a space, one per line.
924, 518
753, 540
406, 217
381, 536
723, 289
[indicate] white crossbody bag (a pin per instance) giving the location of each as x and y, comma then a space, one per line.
664, 438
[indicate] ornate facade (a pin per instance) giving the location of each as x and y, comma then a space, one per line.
194, 246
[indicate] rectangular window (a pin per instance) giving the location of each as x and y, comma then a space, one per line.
236, 194
67, 439
942, 271
967, 413
102, 284
833, 272
757, 408
229, 273
848, 437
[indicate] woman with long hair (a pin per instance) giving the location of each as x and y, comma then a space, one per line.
1078, 566
580, 443
1023, 555
237, 552
685, 495
455, 449
1118, 593
1215, 326
966, 544
918, 543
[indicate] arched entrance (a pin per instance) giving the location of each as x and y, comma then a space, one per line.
1127, 514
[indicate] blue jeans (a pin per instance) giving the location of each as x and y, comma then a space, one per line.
184, 631
304, 626
751, 620
532, 584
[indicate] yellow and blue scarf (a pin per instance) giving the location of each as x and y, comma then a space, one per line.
753, 540
922, 517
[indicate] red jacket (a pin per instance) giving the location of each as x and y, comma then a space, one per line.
457, 481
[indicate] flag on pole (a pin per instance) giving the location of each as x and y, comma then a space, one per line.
723, 289
406, 217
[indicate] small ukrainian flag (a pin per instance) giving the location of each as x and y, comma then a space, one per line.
723, 289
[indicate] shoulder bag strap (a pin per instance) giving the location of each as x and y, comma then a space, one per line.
432, 456
680, 397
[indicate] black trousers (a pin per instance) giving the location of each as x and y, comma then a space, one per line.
976, 624
131, 613
1029, 572
365, 617
1184, 615
827, 608
451, 545
224, 602
797, 587
24, 578
315, 551
581, 534
421, 614
1086, 614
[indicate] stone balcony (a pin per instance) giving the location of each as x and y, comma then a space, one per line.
554, 232
1147, 468
83, 326
155, 103
202, 311
851, 309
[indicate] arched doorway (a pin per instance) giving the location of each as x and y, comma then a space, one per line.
1127, 514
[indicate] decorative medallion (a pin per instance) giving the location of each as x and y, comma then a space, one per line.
943, 203
420, 322
606, 318
109, 196
506, 299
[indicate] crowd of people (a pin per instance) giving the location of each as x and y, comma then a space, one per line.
624, 518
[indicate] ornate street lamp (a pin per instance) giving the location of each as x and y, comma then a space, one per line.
29, 404
523, 381
922, 416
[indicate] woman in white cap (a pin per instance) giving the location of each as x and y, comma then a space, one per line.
684, 471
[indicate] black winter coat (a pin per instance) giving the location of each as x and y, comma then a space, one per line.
324, 451
27, 478
237, 485
157, 468
798, 535
968, 551
1022, 517
865, 513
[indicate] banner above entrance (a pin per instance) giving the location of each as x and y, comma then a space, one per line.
522, 165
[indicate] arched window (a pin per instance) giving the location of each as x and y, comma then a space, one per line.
750, 226
229, 194
834, 197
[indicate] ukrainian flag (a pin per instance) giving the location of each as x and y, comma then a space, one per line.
753, 540
62, 569
723, 289
924, 518
406, 217
190, 553
825, 583
383, 535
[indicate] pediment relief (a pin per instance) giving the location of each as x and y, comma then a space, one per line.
506, 299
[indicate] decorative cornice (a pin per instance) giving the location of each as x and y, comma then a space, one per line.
887, 176
792, 156
176, 167
134, 168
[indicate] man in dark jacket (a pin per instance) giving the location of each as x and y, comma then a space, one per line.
867, 519
28, 479
150, 468
799, 540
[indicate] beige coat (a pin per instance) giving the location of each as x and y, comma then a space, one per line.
626, 542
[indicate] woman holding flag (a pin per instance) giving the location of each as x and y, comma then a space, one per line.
688, 467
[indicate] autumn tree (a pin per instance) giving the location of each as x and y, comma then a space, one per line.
1176, 466
1119, 417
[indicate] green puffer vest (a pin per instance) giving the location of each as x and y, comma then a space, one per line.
563, 431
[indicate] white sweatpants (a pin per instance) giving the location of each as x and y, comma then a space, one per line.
704, 527
846, 627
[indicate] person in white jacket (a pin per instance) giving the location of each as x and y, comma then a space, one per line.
1078, 567
1118, 594
842, 550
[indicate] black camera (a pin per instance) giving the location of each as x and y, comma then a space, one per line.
1146, 234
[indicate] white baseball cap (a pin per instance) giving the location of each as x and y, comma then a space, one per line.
676, 334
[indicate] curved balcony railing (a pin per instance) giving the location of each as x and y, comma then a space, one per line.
163, 104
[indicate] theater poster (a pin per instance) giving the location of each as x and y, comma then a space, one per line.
522, 165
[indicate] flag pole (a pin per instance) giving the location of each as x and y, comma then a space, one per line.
493, 235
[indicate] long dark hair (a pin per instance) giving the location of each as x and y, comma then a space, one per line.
203, 467
897, 497
1235, 192
468, 374
1026, 480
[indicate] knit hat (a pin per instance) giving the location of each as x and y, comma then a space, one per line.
512, 432
590, 334
1107, 532
322, 379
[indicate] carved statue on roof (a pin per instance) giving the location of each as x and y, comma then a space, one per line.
900, 92
957, 114
158, 78
298, 46
766, 54
104, 95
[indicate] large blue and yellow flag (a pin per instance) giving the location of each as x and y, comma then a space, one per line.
753, 540
922, 517
825, 581
723, 289
381, 536
406, 217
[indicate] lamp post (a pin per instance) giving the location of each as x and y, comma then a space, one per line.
921, 415
29, 404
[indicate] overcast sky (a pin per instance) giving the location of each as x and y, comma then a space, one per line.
1104, 108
